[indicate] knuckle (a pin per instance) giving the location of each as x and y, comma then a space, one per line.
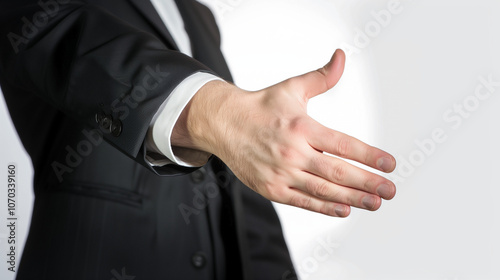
370, 184
368, 154
344, 147
286, 153
297, 125
322, 190
344, 198
329, 209
339, 173
349, 200
300, 201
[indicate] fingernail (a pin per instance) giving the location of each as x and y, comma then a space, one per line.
385, 164
340, 210
384, 191
369, 202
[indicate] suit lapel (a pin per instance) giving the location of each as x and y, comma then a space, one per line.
148, 11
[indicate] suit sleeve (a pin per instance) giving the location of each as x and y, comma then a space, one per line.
93, 67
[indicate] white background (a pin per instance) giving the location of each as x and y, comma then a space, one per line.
398, 84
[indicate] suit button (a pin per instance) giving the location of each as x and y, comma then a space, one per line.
99, 116
198, 175
116, 128
106, 122
199, 260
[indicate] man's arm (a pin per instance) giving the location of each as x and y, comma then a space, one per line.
92, 66
272, 145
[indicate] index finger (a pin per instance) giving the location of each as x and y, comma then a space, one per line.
345, 146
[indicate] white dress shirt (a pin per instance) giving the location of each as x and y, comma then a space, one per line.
164, 120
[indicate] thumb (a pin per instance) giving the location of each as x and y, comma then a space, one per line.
323, 79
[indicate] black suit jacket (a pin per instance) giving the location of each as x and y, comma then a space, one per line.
76, 72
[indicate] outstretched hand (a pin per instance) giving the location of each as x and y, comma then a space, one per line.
270, 143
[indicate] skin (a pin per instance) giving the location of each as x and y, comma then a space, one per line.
270, 143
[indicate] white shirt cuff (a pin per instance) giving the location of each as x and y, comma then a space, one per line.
164, 120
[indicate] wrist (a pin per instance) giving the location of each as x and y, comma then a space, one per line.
205, 118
